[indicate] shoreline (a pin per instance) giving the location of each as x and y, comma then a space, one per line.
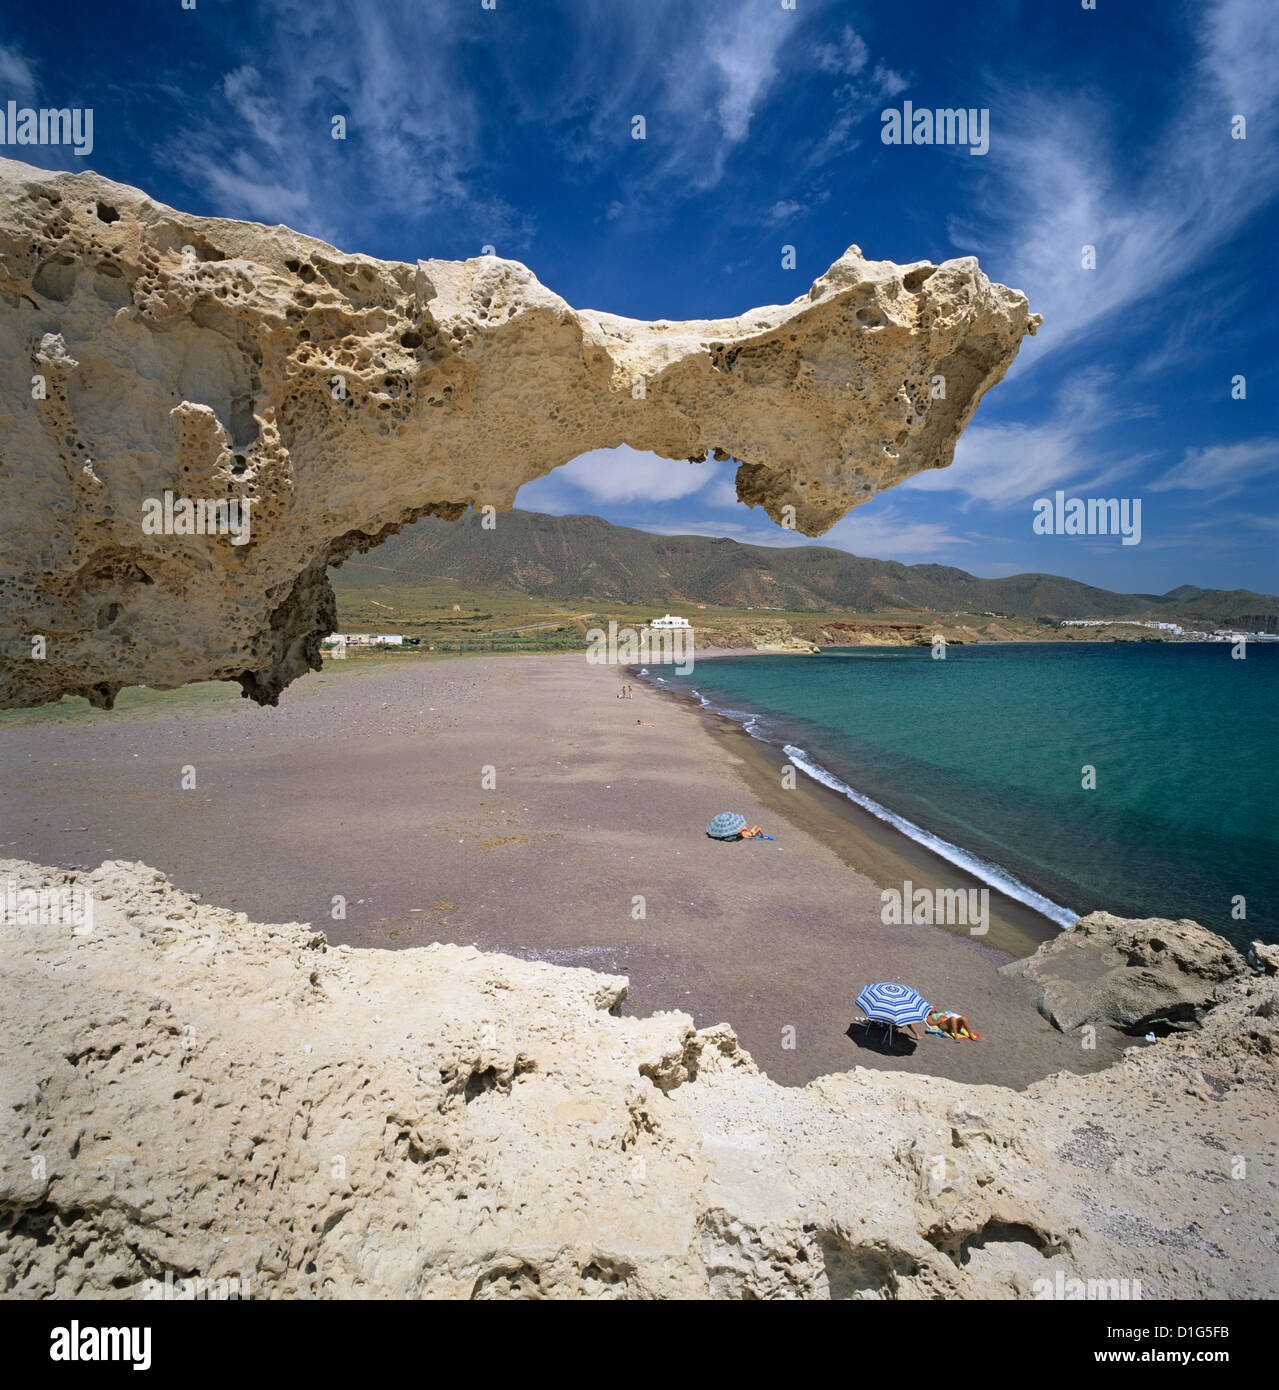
1008, 819
711, 653
586, 847
864, 843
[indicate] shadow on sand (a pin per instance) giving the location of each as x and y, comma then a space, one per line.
872, 1037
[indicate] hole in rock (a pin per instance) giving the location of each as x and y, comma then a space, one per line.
623, 475
55, 278
914, 279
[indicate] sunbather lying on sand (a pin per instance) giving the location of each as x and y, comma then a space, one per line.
952, 1025
644, 724
753, 832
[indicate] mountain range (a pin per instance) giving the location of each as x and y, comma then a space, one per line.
585, 559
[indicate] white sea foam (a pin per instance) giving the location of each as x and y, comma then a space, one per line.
995, 875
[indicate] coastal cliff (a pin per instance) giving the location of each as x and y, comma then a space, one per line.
191, 1095
786, 636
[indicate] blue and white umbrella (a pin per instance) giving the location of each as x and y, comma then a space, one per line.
890, 1003
725, 825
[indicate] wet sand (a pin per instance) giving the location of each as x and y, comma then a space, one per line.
514, 803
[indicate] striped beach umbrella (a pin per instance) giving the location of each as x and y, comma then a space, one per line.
890, 1003
725, 825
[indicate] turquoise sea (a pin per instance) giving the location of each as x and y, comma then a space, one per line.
983, 757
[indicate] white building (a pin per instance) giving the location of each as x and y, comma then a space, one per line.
669, 621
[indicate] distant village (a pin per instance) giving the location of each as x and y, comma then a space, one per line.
1218, 635
341, 640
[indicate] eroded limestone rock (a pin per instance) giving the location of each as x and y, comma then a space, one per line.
1135, 975
145, 352
186, 1094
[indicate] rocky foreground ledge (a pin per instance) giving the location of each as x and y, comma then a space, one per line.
188, 1094
157, 361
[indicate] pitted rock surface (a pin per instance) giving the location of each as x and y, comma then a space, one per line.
146, 353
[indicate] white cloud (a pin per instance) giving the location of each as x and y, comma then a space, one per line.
421, 122
1007, 464
1057, 185
1222, 468
242, 182
855, 102
874, 530
413, 123
783, 211
419, 118
1004, 464
716, 75
722, 492
17, 80
732, 530
621, 475
849, 55
743, 59
884, 532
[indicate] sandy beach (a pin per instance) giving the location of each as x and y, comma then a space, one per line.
515, 803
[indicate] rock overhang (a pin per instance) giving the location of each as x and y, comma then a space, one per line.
155, 358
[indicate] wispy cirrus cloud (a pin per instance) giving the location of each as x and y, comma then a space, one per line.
413, 122
20, 81
427, 95
17, 76
846, 56
886, 534
883, 531
1057, 182
1160, 201
1003, 464
670, 497
861, 90
431, 98
1223, 469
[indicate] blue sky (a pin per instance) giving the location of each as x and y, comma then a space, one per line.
513, 127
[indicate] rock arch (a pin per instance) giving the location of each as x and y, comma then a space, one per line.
342, 397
